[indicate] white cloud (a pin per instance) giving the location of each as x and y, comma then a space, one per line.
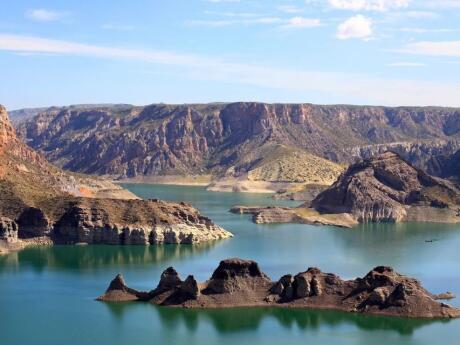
406, 64
424, 30
229, 22
43, 15
368, 5
301, 22
292, 23
336, 86
422, 14
355, 27
442, 4
432, 48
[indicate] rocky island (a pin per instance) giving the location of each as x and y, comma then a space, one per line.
241, 283
383, 188
41, 204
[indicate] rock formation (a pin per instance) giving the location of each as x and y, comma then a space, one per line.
8, 230
387, 188
241, 283
302, 215
41, 203
446, 166
223, 139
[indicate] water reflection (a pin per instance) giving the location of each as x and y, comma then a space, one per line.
99, 256
235, 320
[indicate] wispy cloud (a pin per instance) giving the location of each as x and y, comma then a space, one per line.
406, 64
355, 27
424, 30
301, 22
422, 14
433, 48
438, 4
291, 23
43, 15
229, 22
368, 5
336, 85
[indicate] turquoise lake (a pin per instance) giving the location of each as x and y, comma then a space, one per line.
47, 294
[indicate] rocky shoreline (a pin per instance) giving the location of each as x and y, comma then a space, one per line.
109, 221
41, 204
241, 283
384, 188
277, 215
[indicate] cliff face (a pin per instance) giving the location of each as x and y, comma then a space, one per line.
241, 283
385, 188
39, 200
446, 166
129, 141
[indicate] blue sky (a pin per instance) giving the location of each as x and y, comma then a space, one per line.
382, 52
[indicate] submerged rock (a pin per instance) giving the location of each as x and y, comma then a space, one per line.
241, 283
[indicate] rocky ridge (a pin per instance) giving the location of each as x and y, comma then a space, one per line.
231, 139
241, 283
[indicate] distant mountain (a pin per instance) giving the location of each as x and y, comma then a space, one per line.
232, 139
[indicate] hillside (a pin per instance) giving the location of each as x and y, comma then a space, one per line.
42, 204
222, 139
386, 188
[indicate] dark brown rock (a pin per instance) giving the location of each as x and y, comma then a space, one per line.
235, 274
8, 230
34, 223
190, 287
169, 280
240, 283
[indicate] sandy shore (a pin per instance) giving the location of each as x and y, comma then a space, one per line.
178, 180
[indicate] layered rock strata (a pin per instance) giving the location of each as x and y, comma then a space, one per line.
193, 139
386, 188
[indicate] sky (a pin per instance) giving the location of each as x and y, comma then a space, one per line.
375, 52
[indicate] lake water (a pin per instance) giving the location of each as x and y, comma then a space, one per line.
47, 294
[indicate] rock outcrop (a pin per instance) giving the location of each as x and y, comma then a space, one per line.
8, 230
236, 138
386, 188
41, 204
446, 166
241, 283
